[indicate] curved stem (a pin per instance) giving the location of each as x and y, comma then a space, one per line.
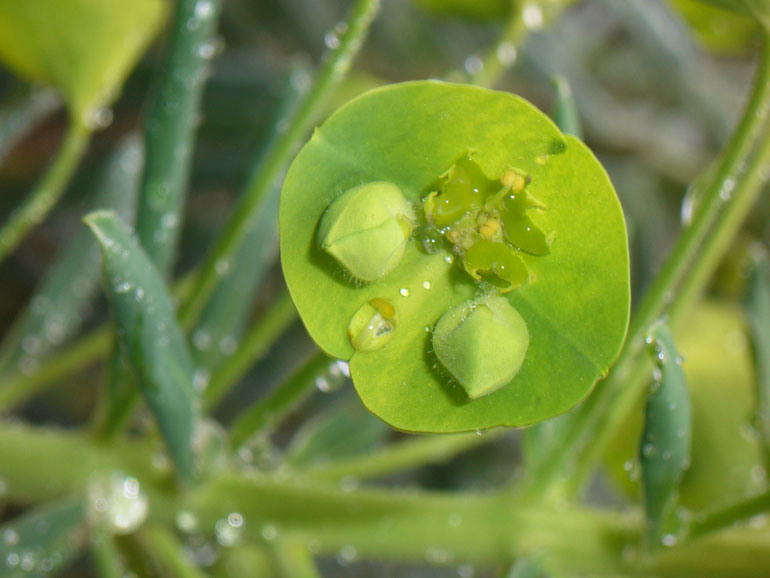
336, 65
735, 187
47, 192
728, 516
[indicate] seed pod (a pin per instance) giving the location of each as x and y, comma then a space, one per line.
482, 344
366, 229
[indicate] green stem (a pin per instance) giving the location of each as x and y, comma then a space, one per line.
106, 555
412, 525
162, 545
280, 402
525, 17
170, 129
591, 426
337, 63
253, 347
71, 360
410, 454
48, 191
293, 559
730, 515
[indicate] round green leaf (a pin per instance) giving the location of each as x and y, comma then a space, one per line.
575, 303
85, 48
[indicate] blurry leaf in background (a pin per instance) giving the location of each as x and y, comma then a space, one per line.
726, 460
85, 48
55, 311
42, 540
421, 129
148, 330
472, 9
719, 30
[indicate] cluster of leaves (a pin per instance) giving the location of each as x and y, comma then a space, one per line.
458, 255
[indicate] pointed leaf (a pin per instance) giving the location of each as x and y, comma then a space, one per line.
42, 541
665, 445
150, 334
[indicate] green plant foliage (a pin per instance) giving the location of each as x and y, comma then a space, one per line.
758, 309
85, 48
472, 9
150, 335
574, 301
717, 365
43, 540
54, 313
664, 454
719, 30
757, 9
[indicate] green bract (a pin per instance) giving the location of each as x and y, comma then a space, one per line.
543, 233
366, 228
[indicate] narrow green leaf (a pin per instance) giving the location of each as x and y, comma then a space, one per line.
565, 112
42, 541
85, 48
758, 306
665, 444
170, 129
55, 312
148, 330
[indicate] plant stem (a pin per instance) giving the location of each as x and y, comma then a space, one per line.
593, 424
293, 558
71, 360
47, 193
105, 555
412, 453
337, 63
170, 129
255, 344
162, 545
280, 402
728, 516
525, 17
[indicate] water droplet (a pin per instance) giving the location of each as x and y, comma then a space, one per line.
10, 537
669, 540
202, 339
448, 259
269, 532
117, 503
455, 519
347, 555
229, 531
186, 521
727, 189
228, 345
507, 54
404, 292
473, 64
426, 285
207, 49
222, 267
332, 41
348, 483
466, 571
31, 345
98, 118
323, 385
532, 16
204, 9
648, 450
372, 326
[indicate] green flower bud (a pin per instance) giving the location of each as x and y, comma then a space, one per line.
482, 344
366, 229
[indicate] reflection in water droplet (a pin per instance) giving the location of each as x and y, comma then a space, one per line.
117, 503
229, 531
426, 285
404, 292
372, 325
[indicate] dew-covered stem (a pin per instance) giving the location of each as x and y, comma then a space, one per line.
413, 453
255, 344
269, 169
268, 413
728, 197
728, 516
105, 555
170, 128
47, 192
